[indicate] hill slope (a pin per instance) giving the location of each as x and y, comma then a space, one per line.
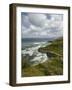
54, 64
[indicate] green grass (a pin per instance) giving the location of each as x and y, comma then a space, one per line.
56, 46
53, 66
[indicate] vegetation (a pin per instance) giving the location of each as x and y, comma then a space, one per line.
54, 64
56, 47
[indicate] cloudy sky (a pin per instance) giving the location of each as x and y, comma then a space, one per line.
40, 25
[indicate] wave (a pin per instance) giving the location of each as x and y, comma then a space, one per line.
33, 51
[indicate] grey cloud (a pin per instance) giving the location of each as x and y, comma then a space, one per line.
25, 21
40, 25
37, 19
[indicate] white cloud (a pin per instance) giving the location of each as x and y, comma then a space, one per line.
37, 19
41, 26
25, 21
43, 33
57, 17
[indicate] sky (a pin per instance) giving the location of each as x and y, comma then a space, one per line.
41, 25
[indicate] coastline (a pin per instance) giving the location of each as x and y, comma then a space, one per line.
52, 66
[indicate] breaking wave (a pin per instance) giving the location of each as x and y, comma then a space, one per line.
32, 51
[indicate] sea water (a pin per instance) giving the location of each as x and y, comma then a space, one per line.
30, 46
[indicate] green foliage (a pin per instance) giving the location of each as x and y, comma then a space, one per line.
53, 66
31, 71
56, 46
25, 62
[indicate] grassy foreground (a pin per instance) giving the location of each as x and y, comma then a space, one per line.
54, 64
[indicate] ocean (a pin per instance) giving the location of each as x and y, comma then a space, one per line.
29, 49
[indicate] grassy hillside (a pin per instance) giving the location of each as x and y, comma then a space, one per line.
56, 46
54, 64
